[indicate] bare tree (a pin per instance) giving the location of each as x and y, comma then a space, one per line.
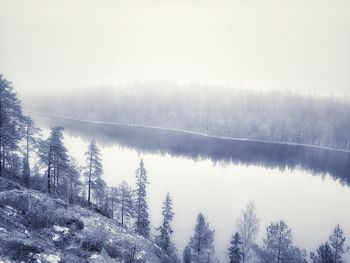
248, 227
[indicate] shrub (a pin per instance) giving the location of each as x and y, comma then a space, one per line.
96, 239
37, 215
20, 251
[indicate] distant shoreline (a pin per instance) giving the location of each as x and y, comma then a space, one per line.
188, 132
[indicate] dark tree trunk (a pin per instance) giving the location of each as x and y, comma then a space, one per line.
49, 172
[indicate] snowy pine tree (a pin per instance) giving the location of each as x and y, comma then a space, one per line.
323, 254
202, 242
93, 169
234, 251
11, 126
337, 241
165, 230
54, 155
141, 225
187, 255
278, 245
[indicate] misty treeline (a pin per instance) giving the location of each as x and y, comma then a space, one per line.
264, 115
44, 164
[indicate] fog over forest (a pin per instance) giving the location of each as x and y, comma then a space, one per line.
175, 131
273, 115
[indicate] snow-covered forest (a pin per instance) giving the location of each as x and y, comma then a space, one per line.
175, 131
37, 170
214, 110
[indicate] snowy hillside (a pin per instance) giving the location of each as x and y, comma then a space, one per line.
37, 228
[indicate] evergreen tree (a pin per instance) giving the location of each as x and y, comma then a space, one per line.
54, 155
165, 230
234, 250
324, 254
94, 169
278, 245
187, 255
11, 125
201, 244
337, 241
126, 202
142, 222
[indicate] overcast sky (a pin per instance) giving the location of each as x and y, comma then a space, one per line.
292, 44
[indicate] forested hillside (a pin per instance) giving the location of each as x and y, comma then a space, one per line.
54, 209
219, 111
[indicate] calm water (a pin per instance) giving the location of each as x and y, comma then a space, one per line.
310, 204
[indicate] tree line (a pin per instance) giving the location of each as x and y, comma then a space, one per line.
59, 175
220, 111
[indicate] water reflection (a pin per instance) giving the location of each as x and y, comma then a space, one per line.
311, 205
176, 143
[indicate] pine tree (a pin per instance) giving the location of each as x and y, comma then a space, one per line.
324, 254
125, 200
93, 169
165, 230
187, 255
11, 124
278, 245
142, 222
54, 155
201, 244
234, 250
337, 241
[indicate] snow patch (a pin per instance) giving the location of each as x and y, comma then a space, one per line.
51, 258
61, 230
10, 211
47, 258
55, 237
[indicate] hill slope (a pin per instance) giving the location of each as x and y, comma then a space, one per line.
37, 228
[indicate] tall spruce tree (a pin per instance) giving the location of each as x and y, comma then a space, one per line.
165, 230
202, 242
234, 251
141, 225
93, 169
11, 125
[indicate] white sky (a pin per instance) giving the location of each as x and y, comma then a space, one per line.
293, 44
